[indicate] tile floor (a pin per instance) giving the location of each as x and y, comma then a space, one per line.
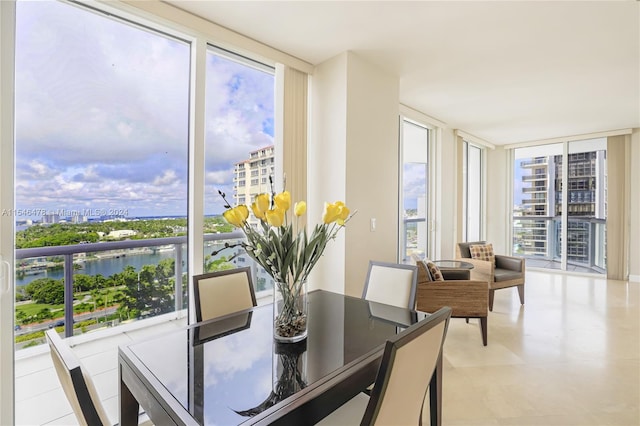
570, 356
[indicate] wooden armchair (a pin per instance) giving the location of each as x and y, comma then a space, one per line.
466, 298
505, 272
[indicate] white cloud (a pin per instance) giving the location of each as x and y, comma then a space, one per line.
124, 130
168, 178
102, 113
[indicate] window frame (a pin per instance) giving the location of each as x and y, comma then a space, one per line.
466, 146
429, 187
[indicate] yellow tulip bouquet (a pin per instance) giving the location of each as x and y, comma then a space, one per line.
287, 253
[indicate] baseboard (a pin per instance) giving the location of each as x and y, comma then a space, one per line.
634, 278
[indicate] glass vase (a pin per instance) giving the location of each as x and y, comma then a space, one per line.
290, 309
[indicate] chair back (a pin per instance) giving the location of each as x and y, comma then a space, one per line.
77, 385
463, 250
407, 366
391, 283
223, 292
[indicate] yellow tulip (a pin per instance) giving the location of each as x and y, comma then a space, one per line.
283, 200
262, 201
243, 211
260, 206
275, 217
300, 208
256, 211
237, 216
331, 213
343, 213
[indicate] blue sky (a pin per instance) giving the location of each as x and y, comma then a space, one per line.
102, 115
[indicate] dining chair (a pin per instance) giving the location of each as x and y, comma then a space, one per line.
403, 378
391, 283
78, 385
223, 292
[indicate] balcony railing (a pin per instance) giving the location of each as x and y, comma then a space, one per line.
531, 201
69, 251
537, 161
586, 240
534, 189
414, 237
530, 178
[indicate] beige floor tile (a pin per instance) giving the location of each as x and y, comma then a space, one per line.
101, 362
33, 364
42, 408
559, 420
35, 384
68, 420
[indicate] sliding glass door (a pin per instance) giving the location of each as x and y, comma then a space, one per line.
240, 153
559, 216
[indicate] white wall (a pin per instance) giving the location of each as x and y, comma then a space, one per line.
354, 157
326, 173
372, 169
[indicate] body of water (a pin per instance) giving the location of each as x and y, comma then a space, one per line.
105, 267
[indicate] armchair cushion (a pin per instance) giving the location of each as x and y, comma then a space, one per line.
482, 252
505, 275
464, 250
434, 271
509, 262
456, 274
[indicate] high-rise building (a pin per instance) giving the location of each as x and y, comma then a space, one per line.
542, 198
586, 200
51, 218
538, 200
251, 177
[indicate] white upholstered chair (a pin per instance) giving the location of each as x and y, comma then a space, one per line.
391, 283
400, 389
223, 292
78, 385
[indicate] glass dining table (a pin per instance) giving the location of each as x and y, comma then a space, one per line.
230, 371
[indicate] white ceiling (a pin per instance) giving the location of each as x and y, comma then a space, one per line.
505, 72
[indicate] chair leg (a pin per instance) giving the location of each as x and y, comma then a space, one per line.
491, 292
467, 320
483, 330
521, 293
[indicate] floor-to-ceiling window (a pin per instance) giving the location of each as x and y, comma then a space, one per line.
239, 150
111, 129
102, 142
414, 203
102, 130
559, 216
472, 192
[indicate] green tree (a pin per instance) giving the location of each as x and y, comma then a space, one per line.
83, 282
21, 317
46, 290
148, 291
44, 314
